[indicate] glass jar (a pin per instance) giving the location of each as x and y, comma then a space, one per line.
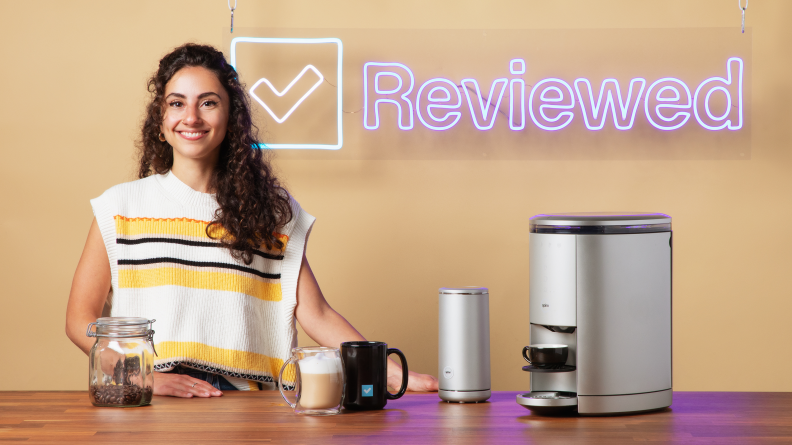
121, 362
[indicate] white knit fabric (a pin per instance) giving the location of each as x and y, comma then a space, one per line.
213, 312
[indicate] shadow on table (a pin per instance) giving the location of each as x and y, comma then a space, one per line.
572, 413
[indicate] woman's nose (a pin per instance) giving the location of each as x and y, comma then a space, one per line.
191, 116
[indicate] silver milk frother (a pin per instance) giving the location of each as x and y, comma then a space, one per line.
464, 346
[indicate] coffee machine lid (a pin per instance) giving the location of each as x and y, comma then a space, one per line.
464, 290
600, 218
600, 222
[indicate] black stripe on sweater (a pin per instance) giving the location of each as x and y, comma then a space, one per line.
213, 370
268, 256
272, 276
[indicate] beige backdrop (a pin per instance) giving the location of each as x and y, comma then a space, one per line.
389, 233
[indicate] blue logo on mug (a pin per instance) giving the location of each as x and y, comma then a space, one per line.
368, 390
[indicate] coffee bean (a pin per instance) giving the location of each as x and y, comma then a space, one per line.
120, 395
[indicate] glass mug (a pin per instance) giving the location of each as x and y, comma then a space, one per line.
318, 380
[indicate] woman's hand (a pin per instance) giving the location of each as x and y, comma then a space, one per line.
179, 385
108, 359
415, 381
419, 382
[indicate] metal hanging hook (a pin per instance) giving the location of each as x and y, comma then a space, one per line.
234, 8
742, 8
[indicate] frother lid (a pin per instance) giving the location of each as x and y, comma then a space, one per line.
464, 290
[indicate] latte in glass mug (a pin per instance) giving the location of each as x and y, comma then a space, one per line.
321, 381
318, 380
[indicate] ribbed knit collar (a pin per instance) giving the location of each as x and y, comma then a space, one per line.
184, 193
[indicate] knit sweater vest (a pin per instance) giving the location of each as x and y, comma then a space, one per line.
213, 312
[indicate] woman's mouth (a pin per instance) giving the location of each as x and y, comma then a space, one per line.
192, 135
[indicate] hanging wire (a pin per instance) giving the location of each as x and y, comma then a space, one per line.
232, 13
742, 8
343, 111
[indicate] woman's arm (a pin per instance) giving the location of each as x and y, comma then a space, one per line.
88, 294
89, 290
328, 328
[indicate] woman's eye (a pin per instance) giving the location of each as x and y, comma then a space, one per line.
175, 103
209, 103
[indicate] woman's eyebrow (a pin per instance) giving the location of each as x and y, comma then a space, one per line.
200, 96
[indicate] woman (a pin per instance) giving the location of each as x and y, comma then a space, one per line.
207, 243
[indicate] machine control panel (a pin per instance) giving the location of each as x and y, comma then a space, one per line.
553, 280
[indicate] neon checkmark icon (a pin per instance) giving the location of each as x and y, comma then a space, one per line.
257, 53
280, 120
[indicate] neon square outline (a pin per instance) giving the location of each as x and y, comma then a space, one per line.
339, 112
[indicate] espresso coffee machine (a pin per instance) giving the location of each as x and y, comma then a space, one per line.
601, 284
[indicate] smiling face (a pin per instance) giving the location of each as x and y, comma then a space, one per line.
196, 108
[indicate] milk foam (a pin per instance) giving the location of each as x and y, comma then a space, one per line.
320, 364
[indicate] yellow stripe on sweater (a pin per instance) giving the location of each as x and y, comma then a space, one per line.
172, 226
197, 279
229, 359
162, 226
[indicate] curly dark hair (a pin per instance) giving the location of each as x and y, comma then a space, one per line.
252, 203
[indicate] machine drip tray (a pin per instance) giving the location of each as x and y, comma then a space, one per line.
548, 402
549, 368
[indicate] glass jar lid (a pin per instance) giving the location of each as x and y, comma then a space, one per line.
122, 321
121, 327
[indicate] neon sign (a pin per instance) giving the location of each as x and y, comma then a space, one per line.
447, 88
734, 64
513, 68
339, 49
552, 103
280, 120
592, 117
678, 119
396, 70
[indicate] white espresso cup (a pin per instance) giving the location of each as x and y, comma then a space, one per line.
318, 379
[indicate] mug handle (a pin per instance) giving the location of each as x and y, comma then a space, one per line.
526, 348
405, 374
280, 385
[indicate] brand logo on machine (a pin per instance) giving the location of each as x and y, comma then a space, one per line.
545, 305
552, 103
290, 100
368, 390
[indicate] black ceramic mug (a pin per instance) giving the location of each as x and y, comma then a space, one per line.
546, 355
366, 370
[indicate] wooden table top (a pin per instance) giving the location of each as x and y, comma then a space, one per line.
416, 418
